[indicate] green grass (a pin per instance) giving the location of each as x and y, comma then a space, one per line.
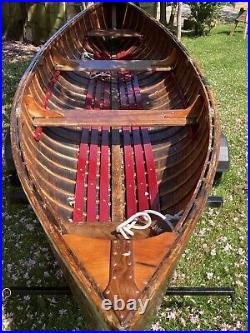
217, 252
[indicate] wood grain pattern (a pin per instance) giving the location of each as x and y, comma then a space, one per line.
65, 64
131, 117
113, 33
94, 256
172, 104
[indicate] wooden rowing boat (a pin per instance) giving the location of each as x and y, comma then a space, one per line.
113, 118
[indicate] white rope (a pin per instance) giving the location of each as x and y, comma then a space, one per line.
87, 55
90, 56
102, 74
125, 227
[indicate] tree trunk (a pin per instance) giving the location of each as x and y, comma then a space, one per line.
87, 4
179, 12
163, 13
172, 15
72, 9
150, 7
14, 19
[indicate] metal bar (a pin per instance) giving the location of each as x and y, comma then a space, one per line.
19, 291
172, 291
201, 291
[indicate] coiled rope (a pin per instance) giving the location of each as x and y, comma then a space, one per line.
90, 56
132, 223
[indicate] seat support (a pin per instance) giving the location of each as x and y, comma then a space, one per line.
65, 64
113, 33
97, 118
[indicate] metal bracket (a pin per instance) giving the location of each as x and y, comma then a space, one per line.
223, 160
214, 201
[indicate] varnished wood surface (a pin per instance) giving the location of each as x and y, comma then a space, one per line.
115, 118
185, 157
94, 254
65, 64
115, 33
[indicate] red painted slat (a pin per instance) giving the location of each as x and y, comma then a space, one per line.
138, 154
122, 92
152, 180
128, 155
137, 91
78, 215
92, 172
140, 171
80, 177
149, 158
129, 174
104, 167
130, 92
124, 54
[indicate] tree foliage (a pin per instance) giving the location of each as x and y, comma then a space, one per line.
203, 16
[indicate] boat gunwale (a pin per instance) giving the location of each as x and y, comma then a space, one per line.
192, 211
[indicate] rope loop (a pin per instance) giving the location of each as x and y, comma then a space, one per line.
103, 75
132, 222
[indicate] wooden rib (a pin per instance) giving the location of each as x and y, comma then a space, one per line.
114, 16
178, 160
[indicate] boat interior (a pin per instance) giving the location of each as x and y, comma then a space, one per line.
114, 122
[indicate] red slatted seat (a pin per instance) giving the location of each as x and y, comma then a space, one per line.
87, 168
145, 189
141, 190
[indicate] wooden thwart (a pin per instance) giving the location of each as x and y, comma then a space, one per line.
113, 33
112, 118
64, 64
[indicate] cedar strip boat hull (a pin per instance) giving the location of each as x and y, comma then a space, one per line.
111, 170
